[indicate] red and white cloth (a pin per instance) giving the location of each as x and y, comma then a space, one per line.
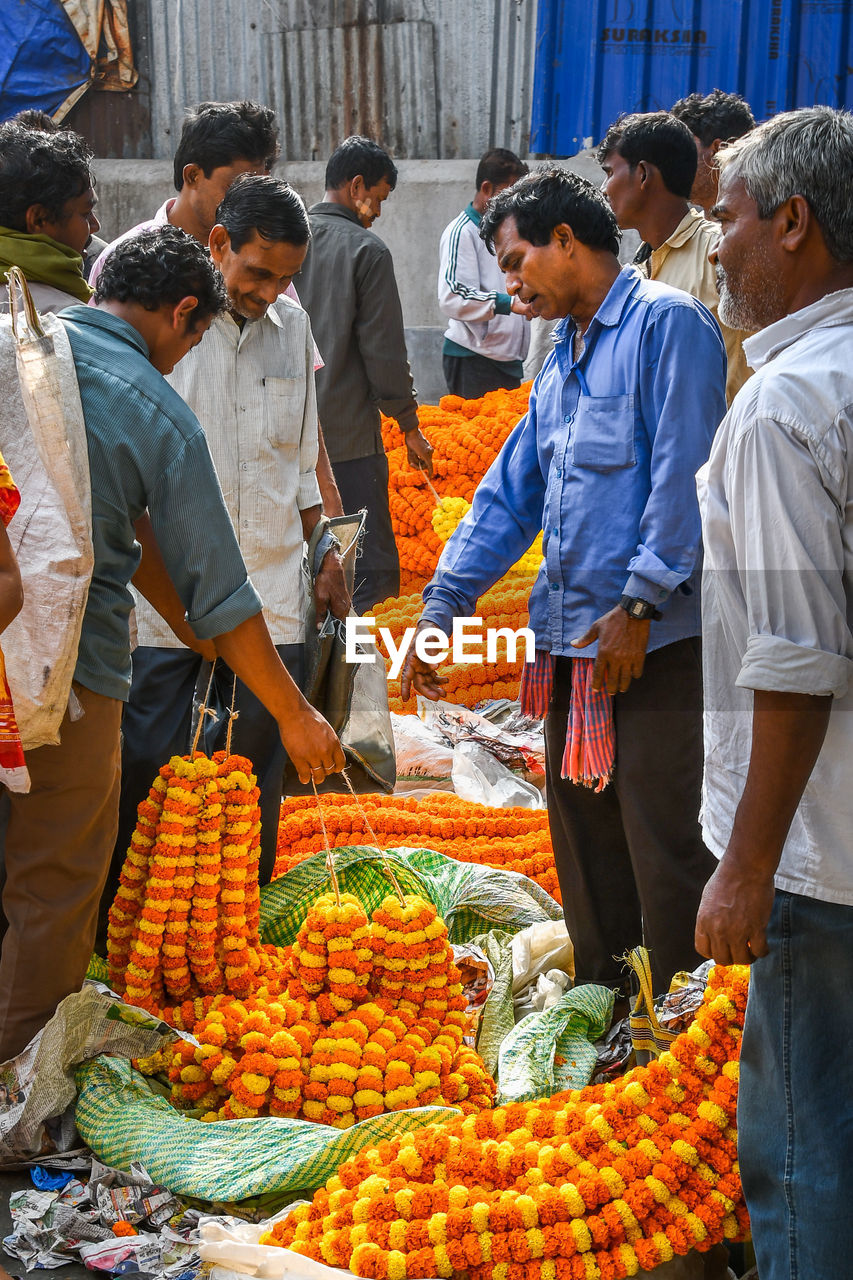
590, 748
13, 770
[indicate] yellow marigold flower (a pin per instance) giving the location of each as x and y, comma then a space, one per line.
580, 1231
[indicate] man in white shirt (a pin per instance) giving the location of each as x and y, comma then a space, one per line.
777, 504
251, 386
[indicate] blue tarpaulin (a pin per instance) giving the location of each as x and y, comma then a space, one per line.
596, 59
42, 59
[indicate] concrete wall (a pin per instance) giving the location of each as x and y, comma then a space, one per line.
429, 194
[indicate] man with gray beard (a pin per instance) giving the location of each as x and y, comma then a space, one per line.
777, 608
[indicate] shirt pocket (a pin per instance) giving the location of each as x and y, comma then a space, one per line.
284, 407
603, 433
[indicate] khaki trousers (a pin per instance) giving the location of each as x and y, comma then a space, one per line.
58, 844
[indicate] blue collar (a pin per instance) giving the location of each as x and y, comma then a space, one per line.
609, 313
97, 318
475, 217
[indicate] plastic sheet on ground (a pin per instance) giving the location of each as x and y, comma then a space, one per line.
481, 779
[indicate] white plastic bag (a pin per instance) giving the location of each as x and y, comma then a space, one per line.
477, 776
43, 440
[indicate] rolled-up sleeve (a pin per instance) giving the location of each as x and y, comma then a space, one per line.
787, 523
198, 543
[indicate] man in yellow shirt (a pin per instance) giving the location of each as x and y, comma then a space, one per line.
714, 119
650, 164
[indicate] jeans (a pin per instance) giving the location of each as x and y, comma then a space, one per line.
795, 1105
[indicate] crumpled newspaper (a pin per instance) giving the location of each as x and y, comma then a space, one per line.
52, 1228
37, 1089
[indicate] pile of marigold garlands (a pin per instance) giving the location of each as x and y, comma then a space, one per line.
360, 1016
510, 839
588, 1185
466, 436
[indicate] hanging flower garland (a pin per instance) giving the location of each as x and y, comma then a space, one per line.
590, 1185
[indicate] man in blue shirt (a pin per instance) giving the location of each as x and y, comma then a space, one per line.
155, 298
620, 418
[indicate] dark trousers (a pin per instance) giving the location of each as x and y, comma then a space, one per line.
472, 376
157, 725
630, 859
363, 482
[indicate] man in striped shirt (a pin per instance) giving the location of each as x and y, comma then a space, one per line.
251, 386
487, 332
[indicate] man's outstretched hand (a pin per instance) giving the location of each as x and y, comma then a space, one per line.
421, 676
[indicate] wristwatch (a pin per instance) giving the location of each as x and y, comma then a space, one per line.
640, 609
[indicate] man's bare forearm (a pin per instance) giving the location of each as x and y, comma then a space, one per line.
152, 581
329, 492
252, 656
788, 730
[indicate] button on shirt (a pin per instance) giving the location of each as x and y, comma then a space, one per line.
604, 463
146, 450
252, 390
777, 587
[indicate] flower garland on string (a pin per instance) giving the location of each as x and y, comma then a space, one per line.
185, 919
372, 1020
590, 1185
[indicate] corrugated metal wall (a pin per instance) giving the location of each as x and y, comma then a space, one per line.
431, 78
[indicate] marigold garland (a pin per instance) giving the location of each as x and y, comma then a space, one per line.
358, 1017
185, 918
588, 1185
466, 436
371, 1019
509, 839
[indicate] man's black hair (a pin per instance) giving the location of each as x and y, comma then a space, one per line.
162, 265
657, 138
360, 157
266, 205
715, 115
498, 166
32, 118
40, 168
218, 133
541, 200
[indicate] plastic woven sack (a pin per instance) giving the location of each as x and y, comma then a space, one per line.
471, 899
120, 1118
551, 1051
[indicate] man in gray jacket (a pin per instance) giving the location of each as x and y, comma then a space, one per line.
348, 288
